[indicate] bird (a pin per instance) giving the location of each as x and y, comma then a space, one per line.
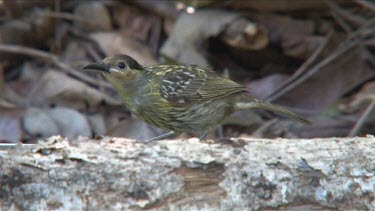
179, 98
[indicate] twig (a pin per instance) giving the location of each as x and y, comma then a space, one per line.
354, 19
13, 145
353, 39
362, 120
369, 43
313, 70
367, 4
341, 22
300, 72
68, 16
259, 132
51, 58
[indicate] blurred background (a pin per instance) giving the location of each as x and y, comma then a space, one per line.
313, 57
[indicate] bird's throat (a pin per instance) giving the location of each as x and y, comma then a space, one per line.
129, 90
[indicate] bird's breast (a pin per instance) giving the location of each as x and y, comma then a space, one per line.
192, 118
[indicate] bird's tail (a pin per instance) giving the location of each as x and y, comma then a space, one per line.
253, 103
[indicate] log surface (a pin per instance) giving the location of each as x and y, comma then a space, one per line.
117, 173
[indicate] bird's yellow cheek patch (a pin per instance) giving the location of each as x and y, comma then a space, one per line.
127, 75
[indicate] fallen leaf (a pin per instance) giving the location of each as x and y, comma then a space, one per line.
101, 21
75, 54
10, 125
38, 123
70, 123
278, 5
133, 22
330, 83
135, 129
361, 100
296, 37
43, 123
31, 30
114, 43
59, 89
97, 123
187, 40
245, 34
263, 87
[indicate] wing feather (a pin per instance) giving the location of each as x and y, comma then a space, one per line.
182, 85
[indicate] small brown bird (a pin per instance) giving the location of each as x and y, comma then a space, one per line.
179, 98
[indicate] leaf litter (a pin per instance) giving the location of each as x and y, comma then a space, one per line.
313, 57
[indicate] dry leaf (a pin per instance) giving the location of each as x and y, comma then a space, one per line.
135, 129
114, 43
10, 125
60, 89
75, 54
93, 16
38, 123
43, 123
20, 8
32, 30
279, 5
296, 37
97, 123
186, 43
244, 34
133, 22
265, 86
361, 99
366, 92
324, 128
330, 83
70, 123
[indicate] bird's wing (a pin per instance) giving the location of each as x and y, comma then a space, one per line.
182, 85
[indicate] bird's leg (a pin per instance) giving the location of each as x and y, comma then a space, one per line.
202, 136
220, 130
167, 135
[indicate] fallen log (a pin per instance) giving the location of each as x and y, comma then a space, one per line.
240, 174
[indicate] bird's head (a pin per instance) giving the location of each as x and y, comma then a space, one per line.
117, 69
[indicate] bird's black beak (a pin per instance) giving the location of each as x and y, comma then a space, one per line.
99, 66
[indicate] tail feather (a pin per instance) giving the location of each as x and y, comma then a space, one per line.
258, 104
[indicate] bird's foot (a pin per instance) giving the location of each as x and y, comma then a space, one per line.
163, 136
202, 136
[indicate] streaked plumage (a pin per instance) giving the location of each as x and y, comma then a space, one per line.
179, 98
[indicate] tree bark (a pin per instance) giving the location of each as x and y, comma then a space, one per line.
236, 174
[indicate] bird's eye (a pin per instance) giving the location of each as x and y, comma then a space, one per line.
121, 65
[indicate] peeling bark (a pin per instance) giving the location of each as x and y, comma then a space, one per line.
116, 173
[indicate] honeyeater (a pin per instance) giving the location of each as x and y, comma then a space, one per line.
179, 98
